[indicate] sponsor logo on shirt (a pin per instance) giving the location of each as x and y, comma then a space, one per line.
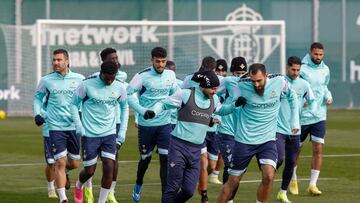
103, 101
200, 114
55, 91
158, 91
264, 106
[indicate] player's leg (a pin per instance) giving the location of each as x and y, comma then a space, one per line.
317, 134
73, 159
50, 168
203, 177
280, 145
108, 153
111, 198
146, 145
292, 146
191, 173
218, 166
176, 165
267, 156
226, 144
90, 153
293, 187
162, 142
213, 155
241, 158
58, 141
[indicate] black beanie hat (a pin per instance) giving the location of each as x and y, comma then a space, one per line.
221, 65
238, 64
207, 79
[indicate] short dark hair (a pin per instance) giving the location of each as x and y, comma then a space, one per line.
104, 53
293, 60
62, 51
254, 68
316, 45
208, 64
109, 67
158, 52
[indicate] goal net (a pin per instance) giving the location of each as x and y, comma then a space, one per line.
187, 42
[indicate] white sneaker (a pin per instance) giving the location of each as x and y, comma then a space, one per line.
52, 193
215, 180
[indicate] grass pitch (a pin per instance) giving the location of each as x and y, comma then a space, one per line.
22, 166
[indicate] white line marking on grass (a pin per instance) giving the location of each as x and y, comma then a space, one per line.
43, 163
135, 161
334, 155
157, 184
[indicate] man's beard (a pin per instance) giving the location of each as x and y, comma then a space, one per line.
260, 91
157, 71
316, 62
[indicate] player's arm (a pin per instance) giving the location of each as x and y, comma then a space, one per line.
223, 109
135, 86
38, 103
124, 117
76, 101
171, 102
238, 101
186, 83
294, 106
310, 99
222, 87
328, 95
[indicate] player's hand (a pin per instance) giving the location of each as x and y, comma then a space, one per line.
136, 125
217, 121
306, 104
149, 114
80, 131
240, 101
295, 130
39, 120
328, 101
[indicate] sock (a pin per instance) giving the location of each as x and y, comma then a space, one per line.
88, 183
215, 173
257, 201
314, 177
103, 194
51, 185
112, 187
230, 201
78, 184
294, 176
62, 194
283, 192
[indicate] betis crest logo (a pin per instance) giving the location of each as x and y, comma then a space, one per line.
244, 40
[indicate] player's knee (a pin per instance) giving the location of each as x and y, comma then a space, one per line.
73, 164
233, 182
268, 178
90, 170
61, 163
317, 150
187, 193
